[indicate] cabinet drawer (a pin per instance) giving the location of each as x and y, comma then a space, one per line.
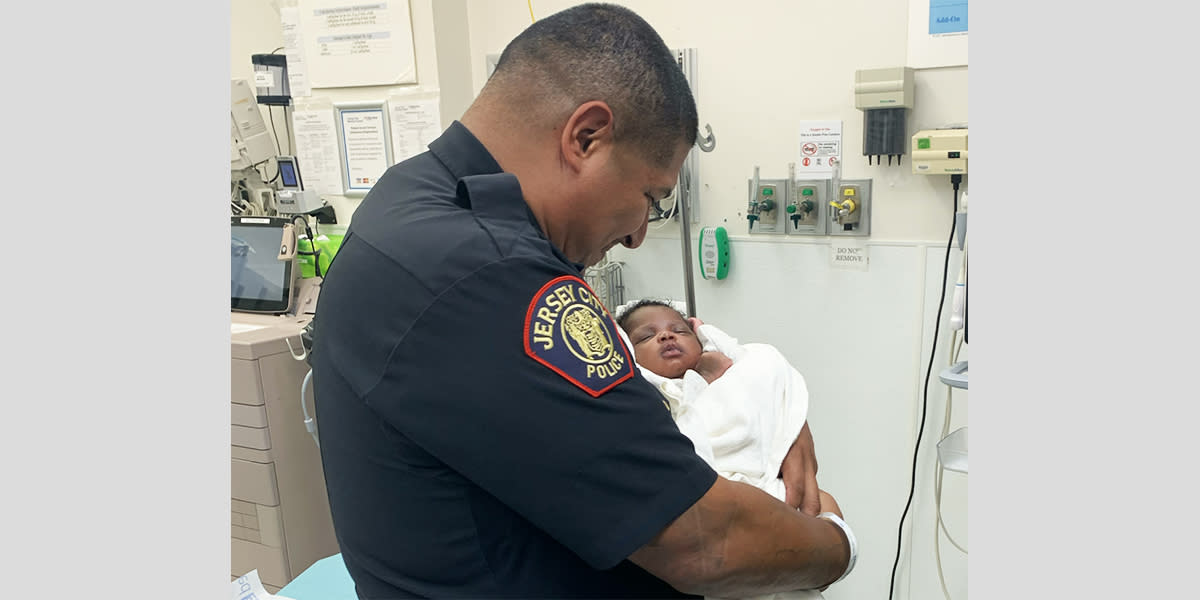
257, 438
248, 416
254, 482
245, 383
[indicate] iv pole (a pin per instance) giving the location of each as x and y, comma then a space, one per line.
707, 144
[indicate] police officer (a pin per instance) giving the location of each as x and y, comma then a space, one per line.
484, 431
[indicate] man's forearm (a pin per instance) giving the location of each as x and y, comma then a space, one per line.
738, 541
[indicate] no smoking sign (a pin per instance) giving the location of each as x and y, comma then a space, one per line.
819, 148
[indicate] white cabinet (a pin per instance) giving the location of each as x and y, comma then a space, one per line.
280, 520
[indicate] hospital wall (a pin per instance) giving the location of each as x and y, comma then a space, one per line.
861, 338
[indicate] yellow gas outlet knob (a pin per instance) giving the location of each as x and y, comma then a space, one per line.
848, 205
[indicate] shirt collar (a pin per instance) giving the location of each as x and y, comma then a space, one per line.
462, 153
475, 170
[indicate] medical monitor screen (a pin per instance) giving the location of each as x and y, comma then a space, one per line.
260, 282
287, 174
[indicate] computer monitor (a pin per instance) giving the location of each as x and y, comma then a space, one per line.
260, 282
289, 173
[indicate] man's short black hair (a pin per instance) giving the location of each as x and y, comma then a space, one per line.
623, 318
607, 52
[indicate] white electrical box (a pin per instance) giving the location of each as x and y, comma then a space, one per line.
297, 202
939, 152
883, 88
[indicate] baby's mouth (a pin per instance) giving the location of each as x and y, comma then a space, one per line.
671, 351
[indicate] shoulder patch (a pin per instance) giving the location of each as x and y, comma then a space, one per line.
568, 330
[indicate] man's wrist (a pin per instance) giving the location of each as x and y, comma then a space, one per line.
851, 542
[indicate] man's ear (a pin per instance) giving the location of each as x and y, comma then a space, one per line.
588, 130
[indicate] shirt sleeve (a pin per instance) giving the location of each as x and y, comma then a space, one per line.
516, 378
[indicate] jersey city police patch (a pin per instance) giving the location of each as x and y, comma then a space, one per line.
568, 330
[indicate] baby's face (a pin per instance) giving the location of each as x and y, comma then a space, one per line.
663, 342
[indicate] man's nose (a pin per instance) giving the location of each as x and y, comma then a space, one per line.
636, 238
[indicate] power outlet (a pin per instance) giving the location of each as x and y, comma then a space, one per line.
805, 210
849, 211
766, 205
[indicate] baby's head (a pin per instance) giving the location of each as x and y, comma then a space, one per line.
663, 340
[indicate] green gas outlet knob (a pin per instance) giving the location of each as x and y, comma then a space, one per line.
791, 208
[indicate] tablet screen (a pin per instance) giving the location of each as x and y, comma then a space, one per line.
260, 282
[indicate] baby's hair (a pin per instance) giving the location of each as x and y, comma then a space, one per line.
624, 318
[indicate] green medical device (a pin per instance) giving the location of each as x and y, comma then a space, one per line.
714, 253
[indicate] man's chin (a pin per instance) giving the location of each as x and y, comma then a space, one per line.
591, 261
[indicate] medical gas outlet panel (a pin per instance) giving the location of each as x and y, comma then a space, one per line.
803, 207
766, 205
809, 207
849, 211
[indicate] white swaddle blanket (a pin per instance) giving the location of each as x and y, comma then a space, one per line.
744, 423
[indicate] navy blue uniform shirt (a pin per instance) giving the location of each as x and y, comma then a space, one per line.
484, 431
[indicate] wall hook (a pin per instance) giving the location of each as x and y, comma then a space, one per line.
707, 142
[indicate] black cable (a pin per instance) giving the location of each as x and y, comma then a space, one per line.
658, 211
264, 177
288, 125
955, 180
272, 113
312, 242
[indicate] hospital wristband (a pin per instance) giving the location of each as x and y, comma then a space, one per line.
836, 520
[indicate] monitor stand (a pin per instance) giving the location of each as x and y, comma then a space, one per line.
307, 290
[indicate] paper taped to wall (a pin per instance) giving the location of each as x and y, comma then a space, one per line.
317, 149
293, 45
416, 121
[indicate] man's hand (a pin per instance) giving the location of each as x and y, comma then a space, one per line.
829, 504
799, 473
